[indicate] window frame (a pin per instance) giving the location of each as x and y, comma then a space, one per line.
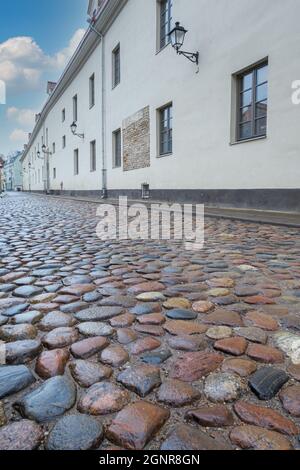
75, 108
116, 77
253, 70
161, 130
76, 162
64, 141
165, 17
116, 147
54, 173
93, 156
53, 148
92, 91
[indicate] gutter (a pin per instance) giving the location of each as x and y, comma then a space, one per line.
103, 112
103, 124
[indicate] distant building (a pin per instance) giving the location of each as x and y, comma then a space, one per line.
128, 112
13, 174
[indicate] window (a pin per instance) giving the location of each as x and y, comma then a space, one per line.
75, 108
53, 148
92, 90
116, 66
64, 142
165, 21
252, 88
63, 115
76, 162
54, 173
117, 149
165, 130
93, 155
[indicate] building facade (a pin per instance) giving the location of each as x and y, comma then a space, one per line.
13, 172
224, 132
1, 173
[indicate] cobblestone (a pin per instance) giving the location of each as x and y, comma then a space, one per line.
143, 334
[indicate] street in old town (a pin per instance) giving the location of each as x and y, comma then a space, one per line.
143, 344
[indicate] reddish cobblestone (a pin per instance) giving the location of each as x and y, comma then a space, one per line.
234, 346
265, 417
265, 354
257, 438
52, 363
168, 323
215, 416
134, 426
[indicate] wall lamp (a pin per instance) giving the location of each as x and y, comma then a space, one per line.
74, 130
177, 36
45, 150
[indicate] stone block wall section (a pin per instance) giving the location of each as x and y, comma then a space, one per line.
136, 140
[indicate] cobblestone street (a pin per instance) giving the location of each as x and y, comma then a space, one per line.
137, 345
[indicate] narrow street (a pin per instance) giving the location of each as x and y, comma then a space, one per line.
134, 345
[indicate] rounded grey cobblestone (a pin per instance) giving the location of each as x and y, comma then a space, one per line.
141, 327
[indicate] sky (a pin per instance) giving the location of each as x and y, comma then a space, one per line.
37, 38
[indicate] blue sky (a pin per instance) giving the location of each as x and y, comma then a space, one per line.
37, 38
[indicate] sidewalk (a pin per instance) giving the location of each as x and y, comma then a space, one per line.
286, 219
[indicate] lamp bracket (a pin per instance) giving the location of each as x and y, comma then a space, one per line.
192, 56
81, 136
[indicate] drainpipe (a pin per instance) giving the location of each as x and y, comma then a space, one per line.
48, 172
104, 169
103, 110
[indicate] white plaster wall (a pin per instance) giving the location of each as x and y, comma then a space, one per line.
230, 35
89, 123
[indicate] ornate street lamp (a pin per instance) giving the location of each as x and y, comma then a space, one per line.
44, 150
177, 36
74, 130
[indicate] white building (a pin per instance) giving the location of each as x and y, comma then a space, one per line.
225, 132
13, 174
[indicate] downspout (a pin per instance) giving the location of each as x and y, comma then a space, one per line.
104, 169
103, 111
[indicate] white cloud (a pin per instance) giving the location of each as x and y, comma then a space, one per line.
19, 136
24, 117
23, 63
62, 57
21, 48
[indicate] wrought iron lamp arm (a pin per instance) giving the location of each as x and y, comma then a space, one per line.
193, 57
81, 136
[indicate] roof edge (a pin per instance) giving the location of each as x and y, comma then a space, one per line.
85, 48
